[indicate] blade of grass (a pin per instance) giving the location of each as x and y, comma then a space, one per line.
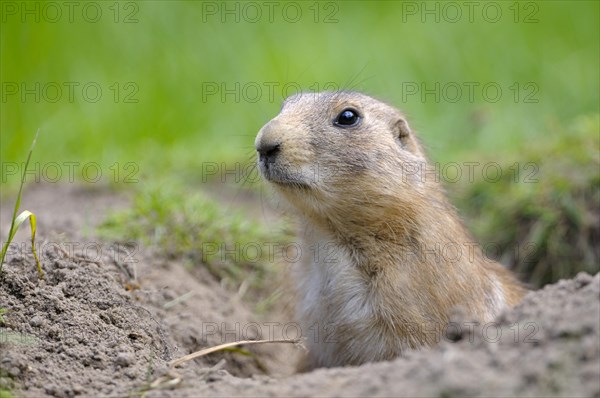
18, 220
221, 347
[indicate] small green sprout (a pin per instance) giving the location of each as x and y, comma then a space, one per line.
18, 220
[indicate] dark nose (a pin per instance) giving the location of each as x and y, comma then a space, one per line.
267, 152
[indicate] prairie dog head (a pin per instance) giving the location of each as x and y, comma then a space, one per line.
331, 153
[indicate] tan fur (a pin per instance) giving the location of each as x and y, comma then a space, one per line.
385, 257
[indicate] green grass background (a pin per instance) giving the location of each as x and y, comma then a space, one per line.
176, 47
544, 56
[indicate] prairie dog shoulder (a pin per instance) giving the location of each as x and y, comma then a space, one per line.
376, 270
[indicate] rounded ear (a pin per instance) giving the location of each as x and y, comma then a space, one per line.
402, 129
408, 141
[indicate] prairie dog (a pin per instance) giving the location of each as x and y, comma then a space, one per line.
385, 257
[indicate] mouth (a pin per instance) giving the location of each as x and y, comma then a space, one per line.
281, 176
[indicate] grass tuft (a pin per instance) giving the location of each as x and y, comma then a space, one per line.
542, 216
235, 248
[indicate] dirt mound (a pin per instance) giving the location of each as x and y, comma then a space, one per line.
87, 330
106, 321
547, 346
71, 334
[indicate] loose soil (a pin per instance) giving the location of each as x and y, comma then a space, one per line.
108, 317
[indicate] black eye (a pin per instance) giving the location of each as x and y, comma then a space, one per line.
346, 118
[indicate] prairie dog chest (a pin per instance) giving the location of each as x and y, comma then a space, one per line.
332, 291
